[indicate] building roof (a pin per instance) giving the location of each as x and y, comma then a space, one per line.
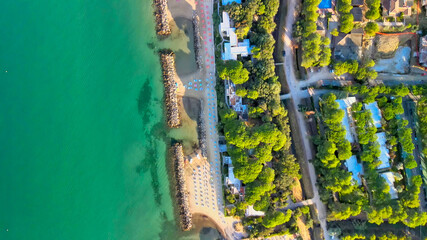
224, 26
226, 159
231, 52
231, 179
225, 2
384, 156
376, 113
388, 176
233, 48
222, 148
395, 7
345, 104
423, 51
355, 168
325, 4
357, 2
250, 211
357, 14
348, 46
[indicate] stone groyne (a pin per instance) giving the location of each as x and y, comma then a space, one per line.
186, 218
201, 130
162, 23
167, 60
197, 41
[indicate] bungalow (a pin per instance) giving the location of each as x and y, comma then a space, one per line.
233, 48
376, 113
357, 14
393, 8
384, 155
355, 168
388, 176
345, 104
348, 46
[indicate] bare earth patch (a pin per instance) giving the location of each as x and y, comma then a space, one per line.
297, 190
305, 234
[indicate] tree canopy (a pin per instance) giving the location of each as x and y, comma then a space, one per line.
234, 71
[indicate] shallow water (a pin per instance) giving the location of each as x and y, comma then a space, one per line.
82, 139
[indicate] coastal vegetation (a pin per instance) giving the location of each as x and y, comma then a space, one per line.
260, 145
343, 196
360, 72
315, 48
346, 18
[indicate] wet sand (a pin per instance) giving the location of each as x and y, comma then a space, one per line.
190, 110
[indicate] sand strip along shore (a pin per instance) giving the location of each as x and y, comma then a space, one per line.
181, 193
162, 22
167, 60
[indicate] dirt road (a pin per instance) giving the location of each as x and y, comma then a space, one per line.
294, 88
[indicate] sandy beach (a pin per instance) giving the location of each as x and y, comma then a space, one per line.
196, 83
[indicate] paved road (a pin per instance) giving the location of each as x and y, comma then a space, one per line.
295, 92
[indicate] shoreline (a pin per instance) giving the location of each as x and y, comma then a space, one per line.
202, 178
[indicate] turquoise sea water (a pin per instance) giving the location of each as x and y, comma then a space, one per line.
82, 149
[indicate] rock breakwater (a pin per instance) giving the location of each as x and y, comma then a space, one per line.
197, 41
167, 60
186, 218
202, 135
162, 22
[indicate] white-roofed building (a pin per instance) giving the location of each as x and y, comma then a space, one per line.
251, 212
233, 48
355, 168
384, 156
376, 113
224, 26
345, 104
231, 181
388, 176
